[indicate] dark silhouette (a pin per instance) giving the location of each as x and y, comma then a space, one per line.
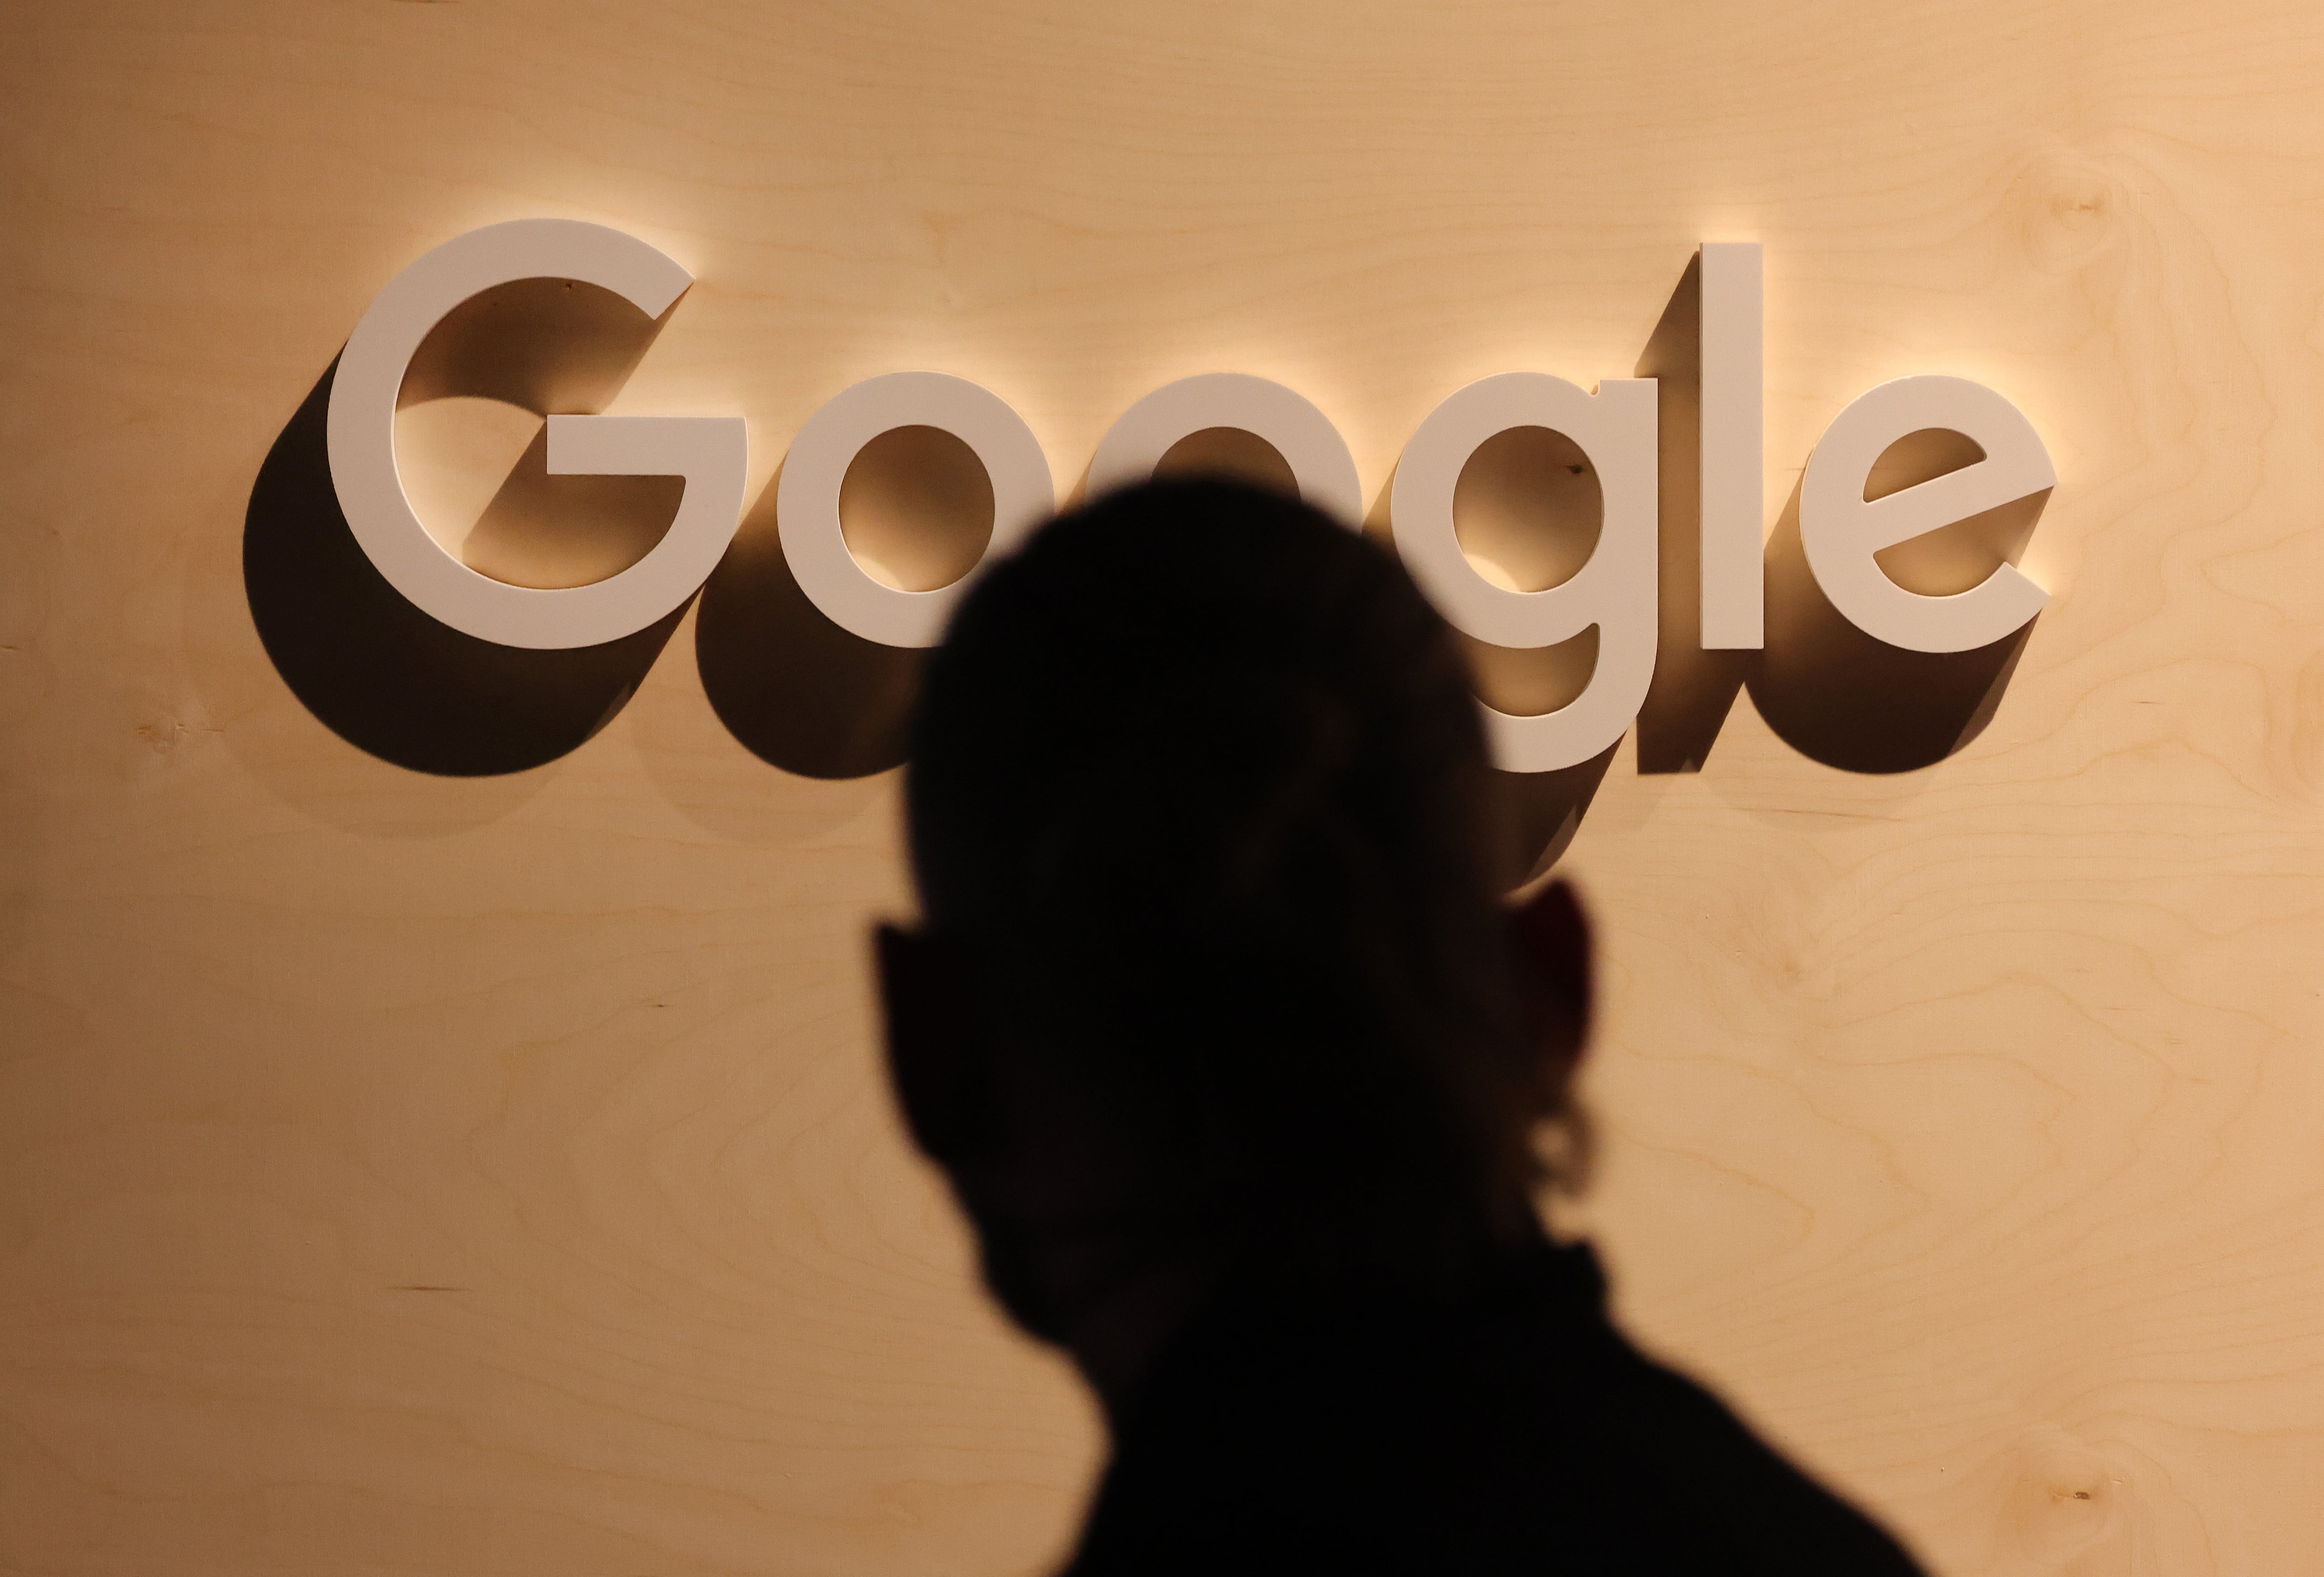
1246, 1075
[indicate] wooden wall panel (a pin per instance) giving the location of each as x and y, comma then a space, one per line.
405, 1173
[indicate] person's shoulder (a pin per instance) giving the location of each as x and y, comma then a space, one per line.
1513, 1428
1646, 1458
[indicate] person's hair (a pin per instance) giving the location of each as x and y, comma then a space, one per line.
1198, 779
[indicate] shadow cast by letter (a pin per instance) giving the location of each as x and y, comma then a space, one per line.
385, 676
1840, 697
798, 690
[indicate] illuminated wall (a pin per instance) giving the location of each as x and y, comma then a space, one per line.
440, 1123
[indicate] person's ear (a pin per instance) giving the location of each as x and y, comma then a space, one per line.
1549, 950
938, 1053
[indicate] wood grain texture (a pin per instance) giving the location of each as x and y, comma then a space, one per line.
411, 1173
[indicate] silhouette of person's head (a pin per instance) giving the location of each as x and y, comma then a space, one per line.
1215, 973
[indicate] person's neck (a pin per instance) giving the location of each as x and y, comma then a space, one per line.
1129, 1304
1115, 1339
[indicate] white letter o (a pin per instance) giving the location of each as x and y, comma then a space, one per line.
806, 500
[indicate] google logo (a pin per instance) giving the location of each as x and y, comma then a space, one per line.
1616, 428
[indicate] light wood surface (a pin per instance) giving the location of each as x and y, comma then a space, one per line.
403, 1173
